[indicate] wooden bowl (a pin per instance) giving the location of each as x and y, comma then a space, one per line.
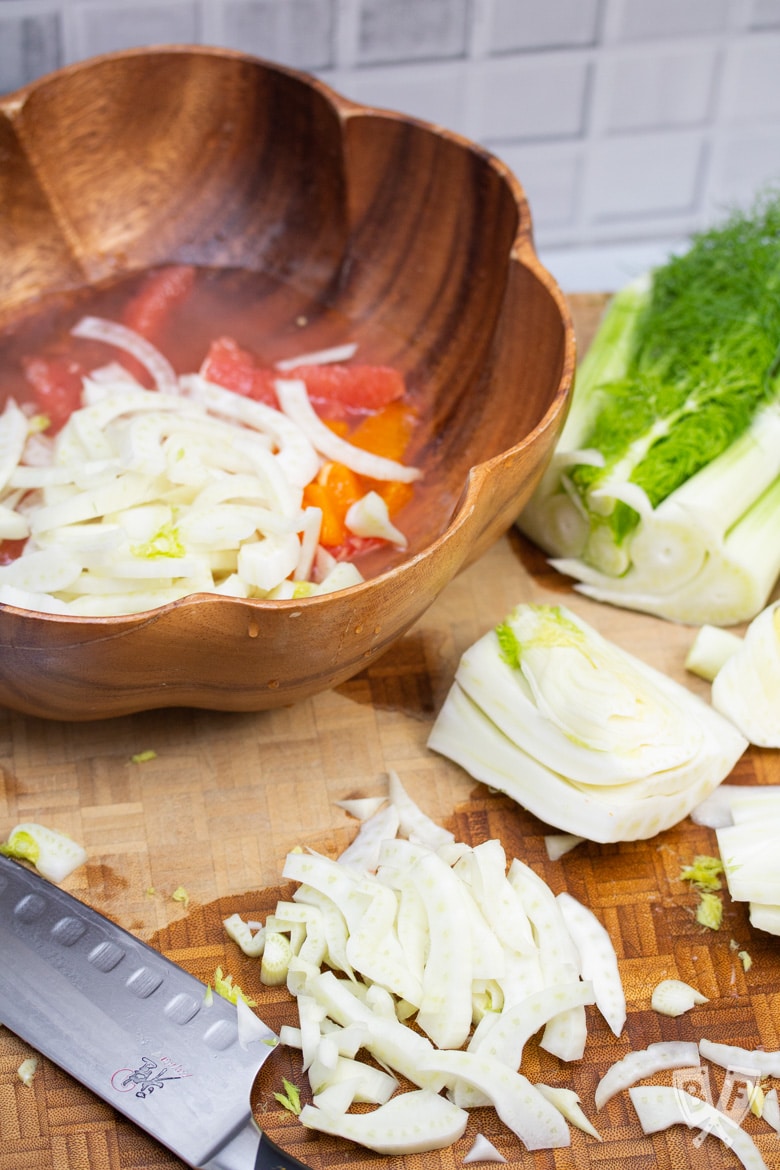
419, 239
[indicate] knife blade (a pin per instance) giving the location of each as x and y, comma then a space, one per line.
131, 1025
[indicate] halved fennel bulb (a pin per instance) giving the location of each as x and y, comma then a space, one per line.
581, 733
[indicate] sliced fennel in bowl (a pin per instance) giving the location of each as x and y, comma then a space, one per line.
585, 736
663, 494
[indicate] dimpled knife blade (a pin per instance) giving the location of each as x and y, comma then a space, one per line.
131, 1025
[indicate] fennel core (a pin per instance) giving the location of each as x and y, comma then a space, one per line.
664, 491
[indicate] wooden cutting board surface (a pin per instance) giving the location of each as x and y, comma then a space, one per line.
227, 796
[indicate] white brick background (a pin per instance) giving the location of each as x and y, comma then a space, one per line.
630, 122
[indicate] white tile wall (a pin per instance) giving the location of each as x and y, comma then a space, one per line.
630, 123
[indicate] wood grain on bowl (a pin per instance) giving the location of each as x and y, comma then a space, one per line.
419, 240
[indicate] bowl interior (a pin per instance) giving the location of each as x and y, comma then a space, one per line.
358, 225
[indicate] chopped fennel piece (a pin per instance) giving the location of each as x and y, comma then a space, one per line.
27, 1070
410, 1123
750, 861
771, 1110
598, 961
112, 333
673, 997
521, 1107
483, 869
53, 854
756, 1062
568, 1103
413, 822
251, 943
363, 851
373, 949
513, 1027
559, 961
342, 576
715, 810
332, 926
294, 401
14, 426
645, 1062
359, 1082
251, 1028
559, 844
266, 563
143, 757
584, 735
319, 357
445, 1009
710, 650
362, 807
290, 1099
275, 959
704, 873
369, 516
709, 912
765, 917
181, 895
224, 986
746, 689
661, 1106
745, 959
483, 1150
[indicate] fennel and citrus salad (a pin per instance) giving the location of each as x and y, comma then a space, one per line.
126, 483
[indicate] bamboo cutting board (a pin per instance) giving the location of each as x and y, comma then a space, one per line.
225, 797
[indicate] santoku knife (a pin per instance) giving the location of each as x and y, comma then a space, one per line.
130, 1025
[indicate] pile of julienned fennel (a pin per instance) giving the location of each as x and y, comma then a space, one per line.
417, 958
440, 961
663, 494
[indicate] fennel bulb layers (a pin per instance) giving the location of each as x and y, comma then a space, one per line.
582, 734
663, 494
745, 674
747, 829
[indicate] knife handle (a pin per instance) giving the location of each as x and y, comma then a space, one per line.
271, 1157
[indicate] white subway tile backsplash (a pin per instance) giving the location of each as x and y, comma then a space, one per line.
755, 89
435, 91
106, 27
630, 123
527, 24
644, 175
524, 97
299, 33
551, 175
29, 46
658, 87
745, 161
765, 14
647, 19
403, 30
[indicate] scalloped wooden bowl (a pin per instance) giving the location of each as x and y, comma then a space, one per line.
419, 238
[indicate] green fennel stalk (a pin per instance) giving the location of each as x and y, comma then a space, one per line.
681, 385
